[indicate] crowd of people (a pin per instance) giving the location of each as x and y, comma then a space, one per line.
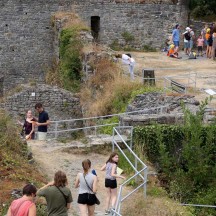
59, 197
204, 42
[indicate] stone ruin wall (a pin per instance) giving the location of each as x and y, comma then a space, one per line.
60, 104
27, 37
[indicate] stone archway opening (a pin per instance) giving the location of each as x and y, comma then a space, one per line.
95, 27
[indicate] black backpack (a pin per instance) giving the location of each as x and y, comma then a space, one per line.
187, 36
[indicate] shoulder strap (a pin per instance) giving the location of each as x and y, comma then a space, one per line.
87, 183
65, 197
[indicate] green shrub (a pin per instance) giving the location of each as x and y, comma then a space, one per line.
115, 45
128, 37
185, 156
70, 58
148, 48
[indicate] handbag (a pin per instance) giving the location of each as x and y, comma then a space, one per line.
97, 201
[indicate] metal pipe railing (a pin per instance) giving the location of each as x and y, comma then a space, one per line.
120, 199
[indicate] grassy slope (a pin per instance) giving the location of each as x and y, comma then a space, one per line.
14, 167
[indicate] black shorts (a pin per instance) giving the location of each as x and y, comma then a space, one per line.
86, 199
199, 48
110, 183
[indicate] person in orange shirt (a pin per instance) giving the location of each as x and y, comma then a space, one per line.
209, 42
172, 53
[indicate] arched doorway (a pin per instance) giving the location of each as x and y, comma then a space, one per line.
95, 27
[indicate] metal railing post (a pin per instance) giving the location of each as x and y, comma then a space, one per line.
113, 144
145, 179
135, 164
131, 138
56, 129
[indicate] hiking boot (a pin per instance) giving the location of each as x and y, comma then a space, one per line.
107, 212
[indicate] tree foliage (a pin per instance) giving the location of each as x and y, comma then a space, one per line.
185, 157
201, 8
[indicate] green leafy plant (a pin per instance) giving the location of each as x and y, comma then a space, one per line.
128, 37
184, 155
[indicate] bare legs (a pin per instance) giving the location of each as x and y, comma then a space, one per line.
111, 197
86, 210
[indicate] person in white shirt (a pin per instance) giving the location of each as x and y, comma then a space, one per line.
187, 38
127, 59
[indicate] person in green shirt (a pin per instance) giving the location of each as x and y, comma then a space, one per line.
57, 195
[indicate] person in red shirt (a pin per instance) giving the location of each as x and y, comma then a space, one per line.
25, 205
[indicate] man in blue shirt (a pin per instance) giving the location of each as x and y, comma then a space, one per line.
176, 37
43, 121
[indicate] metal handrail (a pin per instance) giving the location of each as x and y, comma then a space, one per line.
56, 131
198, 205
106, 116
144, 170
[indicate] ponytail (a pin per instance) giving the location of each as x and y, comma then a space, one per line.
86, 164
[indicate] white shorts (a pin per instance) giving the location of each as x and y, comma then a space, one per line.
41, 135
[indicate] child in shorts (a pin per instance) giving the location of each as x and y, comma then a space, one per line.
172, 53
200, 43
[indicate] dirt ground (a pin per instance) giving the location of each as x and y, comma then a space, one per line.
51, 157
204, 68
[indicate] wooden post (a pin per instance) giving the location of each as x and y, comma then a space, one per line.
148, 77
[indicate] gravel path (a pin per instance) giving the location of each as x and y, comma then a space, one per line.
52, 157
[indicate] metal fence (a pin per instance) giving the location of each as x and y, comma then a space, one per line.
93, 123
142, 173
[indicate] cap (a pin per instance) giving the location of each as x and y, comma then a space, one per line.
188, 29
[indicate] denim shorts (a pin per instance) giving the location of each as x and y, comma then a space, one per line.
176, 43
186, 45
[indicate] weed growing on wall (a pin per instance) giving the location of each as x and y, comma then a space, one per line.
70, 60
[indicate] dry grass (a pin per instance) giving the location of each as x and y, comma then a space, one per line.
157, 203
101, 93
14, 167
69, 19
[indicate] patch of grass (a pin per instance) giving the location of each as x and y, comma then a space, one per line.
108, 129
115, 45
67, 73
128, 37
15, 169
109, 91
148, 48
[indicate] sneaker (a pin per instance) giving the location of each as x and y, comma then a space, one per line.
112, 211
107, 212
